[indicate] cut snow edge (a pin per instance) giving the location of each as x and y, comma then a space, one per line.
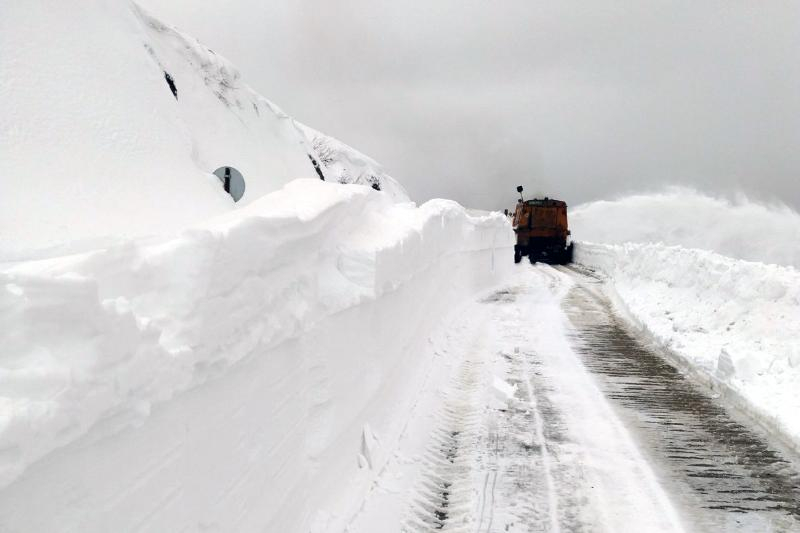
729, 324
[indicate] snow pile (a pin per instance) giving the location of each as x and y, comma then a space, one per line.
113, 124
735, 323
285, 335
741, 229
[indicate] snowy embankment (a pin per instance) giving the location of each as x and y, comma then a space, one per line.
244, 375
732, 323
176, 361
684, 266
117, 128
738, 228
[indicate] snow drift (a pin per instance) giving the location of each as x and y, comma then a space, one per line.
733, 323
311, 302
113, 123
741, 229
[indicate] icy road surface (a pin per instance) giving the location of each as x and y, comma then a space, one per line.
554, 417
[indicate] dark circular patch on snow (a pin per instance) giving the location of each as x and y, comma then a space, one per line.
232, 181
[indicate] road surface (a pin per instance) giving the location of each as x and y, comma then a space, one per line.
556, 417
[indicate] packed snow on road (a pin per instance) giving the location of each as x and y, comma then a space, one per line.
319, 353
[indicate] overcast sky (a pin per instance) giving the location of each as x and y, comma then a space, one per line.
465, 99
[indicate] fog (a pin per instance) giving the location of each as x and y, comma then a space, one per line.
467, 99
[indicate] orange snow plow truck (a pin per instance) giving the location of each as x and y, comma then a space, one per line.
542, 231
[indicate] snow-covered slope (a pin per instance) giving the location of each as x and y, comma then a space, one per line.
740, 229
287, 336
94, 145
734, 323
341, 163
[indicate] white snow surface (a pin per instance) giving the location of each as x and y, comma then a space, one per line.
162, 368
738, 228
94, 146
343, 164
96, 343
538, 447
733, 324
716, 282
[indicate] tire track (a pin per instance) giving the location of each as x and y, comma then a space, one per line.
496, 466
533, 468
726, 476
443, 497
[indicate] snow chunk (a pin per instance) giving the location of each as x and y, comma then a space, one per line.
503, 390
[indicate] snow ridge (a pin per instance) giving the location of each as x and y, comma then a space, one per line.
104, 336
741, 228
343, 164
735, 323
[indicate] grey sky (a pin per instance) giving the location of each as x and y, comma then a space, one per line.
465, 99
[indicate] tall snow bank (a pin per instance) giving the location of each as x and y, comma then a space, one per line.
741, 229
735, 323
95, 144
238, 376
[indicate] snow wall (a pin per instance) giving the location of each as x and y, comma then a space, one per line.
733, 324
95, 145
246, 375
738, 228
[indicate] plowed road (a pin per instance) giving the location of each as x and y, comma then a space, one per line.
554, 416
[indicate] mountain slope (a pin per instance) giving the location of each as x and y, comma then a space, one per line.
114, 122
